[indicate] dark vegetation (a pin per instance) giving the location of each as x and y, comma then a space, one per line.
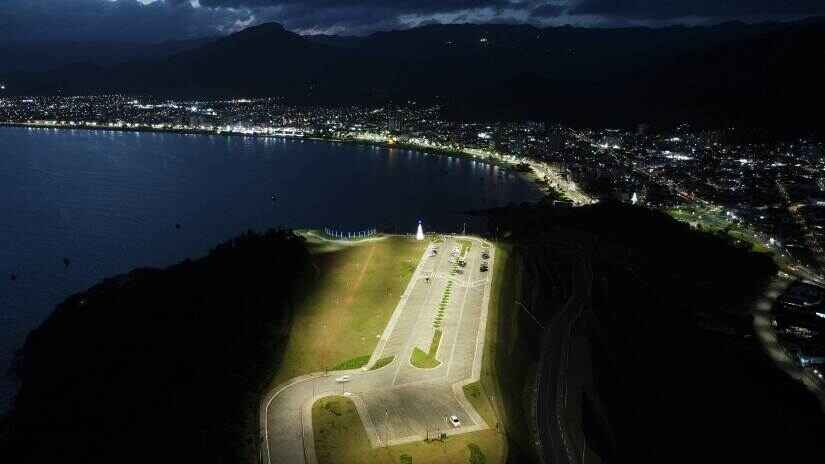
750, 75
160, 365
523, 167
515, 345
678, 372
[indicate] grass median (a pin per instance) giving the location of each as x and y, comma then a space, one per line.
382, 362
348, 304
427, 360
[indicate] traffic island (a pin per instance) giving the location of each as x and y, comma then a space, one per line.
427, 360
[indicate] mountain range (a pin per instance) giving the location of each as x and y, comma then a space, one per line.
758, 75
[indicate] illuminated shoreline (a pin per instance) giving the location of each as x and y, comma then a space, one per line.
510, 163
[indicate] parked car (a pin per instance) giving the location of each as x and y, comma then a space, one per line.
342, 379
483, 267
453, 420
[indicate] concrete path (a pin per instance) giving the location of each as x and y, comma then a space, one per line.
400, 403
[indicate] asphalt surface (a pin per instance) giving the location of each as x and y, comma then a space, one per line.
399, 403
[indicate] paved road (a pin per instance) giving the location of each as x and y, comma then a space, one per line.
399, 403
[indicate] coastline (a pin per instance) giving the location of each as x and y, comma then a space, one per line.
511, 167
192, 131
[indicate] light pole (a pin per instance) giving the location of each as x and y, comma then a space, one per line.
529, 313
387, 428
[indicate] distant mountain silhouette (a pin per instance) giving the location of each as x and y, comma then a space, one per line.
729, 73
265, 59
34, 56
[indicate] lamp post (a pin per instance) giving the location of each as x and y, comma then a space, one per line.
387, 428
529, 313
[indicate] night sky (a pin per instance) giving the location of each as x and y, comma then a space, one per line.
159, 20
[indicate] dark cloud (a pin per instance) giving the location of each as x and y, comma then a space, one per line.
122, 20
400, 6
670, 9
145, 20
355, 16
350, 19
549, 10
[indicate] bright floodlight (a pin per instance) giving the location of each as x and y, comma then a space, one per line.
419, 235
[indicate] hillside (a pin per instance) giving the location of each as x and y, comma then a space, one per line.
160, 365
662, 362
41, 56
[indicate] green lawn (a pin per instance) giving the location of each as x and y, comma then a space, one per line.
340, 439
477, 396
427, 360
353, 363
382, 362
340, 317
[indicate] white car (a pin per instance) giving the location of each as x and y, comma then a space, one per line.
453, 420
342, 379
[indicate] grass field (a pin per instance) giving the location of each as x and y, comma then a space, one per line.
353, 363
476, 395
348, 305
340, 439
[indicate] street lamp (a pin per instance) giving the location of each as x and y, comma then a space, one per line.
529, 313
387, 427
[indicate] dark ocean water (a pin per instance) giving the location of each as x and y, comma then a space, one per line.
111, 201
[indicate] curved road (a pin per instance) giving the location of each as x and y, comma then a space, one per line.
399, 403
